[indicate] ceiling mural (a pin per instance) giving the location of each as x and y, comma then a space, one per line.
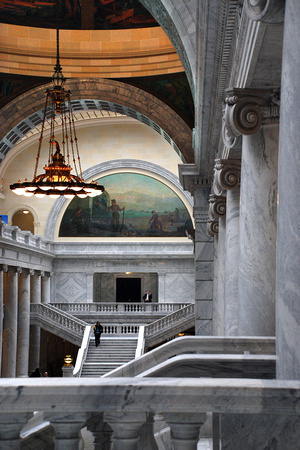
106, 14
132, 205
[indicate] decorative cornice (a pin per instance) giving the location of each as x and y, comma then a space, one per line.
227, 175
267, 11
190, 179
246, 110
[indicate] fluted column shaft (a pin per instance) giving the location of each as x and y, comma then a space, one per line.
258, 233
218, 307
288, 236
232, 262
23, 324
35, 331
9, 351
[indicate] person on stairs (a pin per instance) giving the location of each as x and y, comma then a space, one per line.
98, 330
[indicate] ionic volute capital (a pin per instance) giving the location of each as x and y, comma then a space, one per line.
267, 11
212, 227
246, 110
227, 175
217, 206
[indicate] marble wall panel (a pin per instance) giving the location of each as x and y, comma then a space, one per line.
245, 431
179, 288
204, 309
70, 287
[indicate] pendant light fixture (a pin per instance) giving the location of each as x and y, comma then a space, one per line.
58, 180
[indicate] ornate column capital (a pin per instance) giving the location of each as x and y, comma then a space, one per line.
227, 175
246, 110
217, 206
268, 11
212, 227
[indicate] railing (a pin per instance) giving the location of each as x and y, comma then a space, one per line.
57, 322
119, 308
196, 345
82, 352
13, 233
169, 325
128, 403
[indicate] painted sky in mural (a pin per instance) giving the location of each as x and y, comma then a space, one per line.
132, 205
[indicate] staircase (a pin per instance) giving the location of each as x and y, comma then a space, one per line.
112, 352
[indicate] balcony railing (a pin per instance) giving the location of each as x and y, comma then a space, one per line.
120, 308
129, 404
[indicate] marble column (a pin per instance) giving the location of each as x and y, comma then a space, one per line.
254, 114
10, 322
232, 262
219, 305
23, 324
45, 287
126, 429
185, 429
161, 287
256, 285
288, 235
35, 331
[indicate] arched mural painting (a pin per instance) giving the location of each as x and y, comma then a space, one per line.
132, 205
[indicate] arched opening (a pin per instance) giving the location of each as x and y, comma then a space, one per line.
24, 220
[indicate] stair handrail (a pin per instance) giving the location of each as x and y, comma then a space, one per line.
141, 342
61, 320
82, 352
170, 325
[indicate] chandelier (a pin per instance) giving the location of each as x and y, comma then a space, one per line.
58, 180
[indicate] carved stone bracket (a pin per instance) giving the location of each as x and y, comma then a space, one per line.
212, 227
227, 175
246, 110
268, 11
217, 206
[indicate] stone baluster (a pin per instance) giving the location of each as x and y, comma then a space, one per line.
67, 427
45, 287
147, 439
23, 324
35, 331
288, 237
11, 425
126, 429
185, 429
227, 178
101, 431
10, 323
245, 113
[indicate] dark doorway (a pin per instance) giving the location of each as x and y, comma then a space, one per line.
128, 290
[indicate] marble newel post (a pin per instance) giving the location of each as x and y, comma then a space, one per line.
246, 112
9, 350
35, 331
288, 236
23, 323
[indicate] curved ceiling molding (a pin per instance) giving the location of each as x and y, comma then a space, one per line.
88, 53
22, 115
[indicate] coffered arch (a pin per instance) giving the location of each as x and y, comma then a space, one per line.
23, 113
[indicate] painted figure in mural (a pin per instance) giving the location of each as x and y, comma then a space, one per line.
115, 218
147, 297
155, 223
78, 223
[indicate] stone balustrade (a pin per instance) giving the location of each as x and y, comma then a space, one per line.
170, 325
15, 234
119, 308
128, 404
